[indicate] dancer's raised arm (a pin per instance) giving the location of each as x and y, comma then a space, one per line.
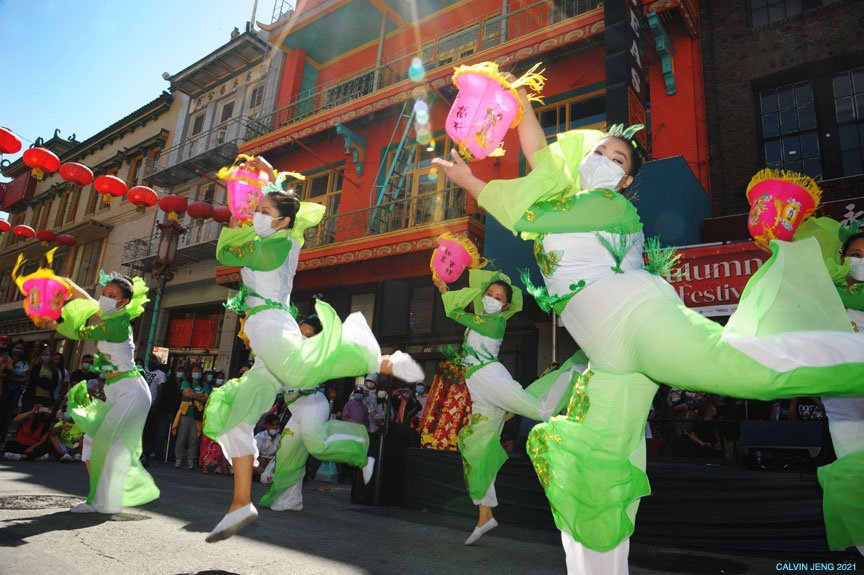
532, 138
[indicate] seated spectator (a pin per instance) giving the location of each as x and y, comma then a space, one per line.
267, 442
66, 438
31, 441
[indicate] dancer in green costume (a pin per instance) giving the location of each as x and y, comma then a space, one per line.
269, 251
843, 480
113, 428
636, 331
493, 390
311, 431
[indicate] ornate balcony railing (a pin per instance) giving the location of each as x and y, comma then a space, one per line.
498, 27
201, 152
196, 244
403, 214
199, 241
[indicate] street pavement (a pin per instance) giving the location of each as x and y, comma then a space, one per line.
330, 536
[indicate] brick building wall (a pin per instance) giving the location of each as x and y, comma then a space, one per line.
741, 61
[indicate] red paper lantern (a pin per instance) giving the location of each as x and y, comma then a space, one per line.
143, 197
46, 236
200, 211
110, 187
77, 174
66, 240
9, 142
5, 226
23, 231
41, 162
173, 206
222, 214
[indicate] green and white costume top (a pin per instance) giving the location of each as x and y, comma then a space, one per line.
113, 334
269, 264
484, 332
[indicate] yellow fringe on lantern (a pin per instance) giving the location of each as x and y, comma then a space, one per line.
477, 261
43, 271
532, 79
803, 181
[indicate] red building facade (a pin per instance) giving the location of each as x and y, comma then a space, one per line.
344, 103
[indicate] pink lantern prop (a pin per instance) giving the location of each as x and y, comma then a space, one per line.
450, 259
779, 202
244, 182
486, 107
44, 292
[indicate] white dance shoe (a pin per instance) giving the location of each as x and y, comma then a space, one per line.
83, 508
481, 531
368, 469
232, 523
405, 368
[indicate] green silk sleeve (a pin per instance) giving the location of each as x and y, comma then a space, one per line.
242, 247
827, 232
74, 323
548, 199
455, 303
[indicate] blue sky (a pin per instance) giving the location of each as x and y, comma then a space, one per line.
82, 65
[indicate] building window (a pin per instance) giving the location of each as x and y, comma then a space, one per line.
91, 201
134, 177
87, 263
206, 193
61, 209
227, 112
6, 285
365, 304
37, 214
322, 188
790, 140
46, 212
849, 112
587, 111
72, 208
198, 124
764, 12
257, 97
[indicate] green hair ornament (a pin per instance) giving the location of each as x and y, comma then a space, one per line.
106, 278
620, 131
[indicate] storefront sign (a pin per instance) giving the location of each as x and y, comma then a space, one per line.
711, 279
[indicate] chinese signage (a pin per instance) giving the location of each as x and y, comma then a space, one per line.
711, 279
226, 89
626, 86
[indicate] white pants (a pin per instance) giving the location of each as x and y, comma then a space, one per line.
584, 561
129, 400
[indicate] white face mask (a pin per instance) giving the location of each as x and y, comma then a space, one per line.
856, 269
107, 305
596, 171
492, 305
273, 432
263, 225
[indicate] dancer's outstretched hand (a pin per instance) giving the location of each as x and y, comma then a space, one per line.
460, 173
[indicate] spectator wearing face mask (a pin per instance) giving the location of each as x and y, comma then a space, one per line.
376, 408
43, 382
267, 442
6, 365
155, 378
31, 441
60, 366
188, 421
85, 372
421, 395
355, 410
211, 457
